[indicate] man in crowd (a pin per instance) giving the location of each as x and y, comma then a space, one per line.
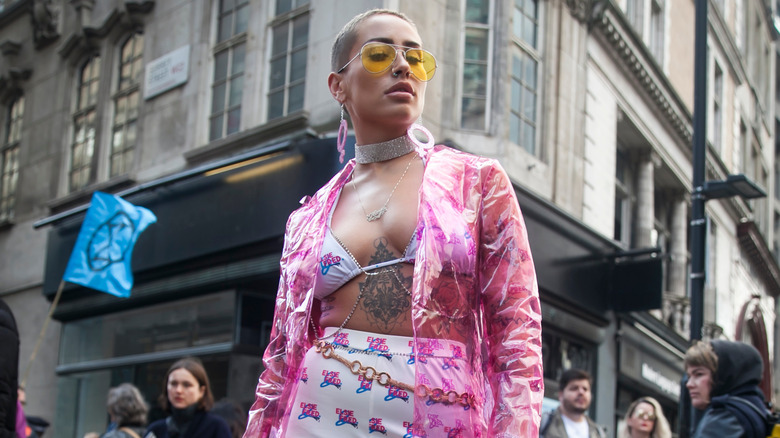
570, 420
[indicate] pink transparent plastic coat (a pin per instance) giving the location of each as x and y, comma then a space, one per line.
474, 281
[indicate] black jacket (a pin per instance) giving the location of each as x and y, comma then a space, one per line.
202, 425
739, 373
9, 371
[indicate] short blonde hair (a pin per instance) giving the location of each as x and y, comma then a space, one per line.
345, 40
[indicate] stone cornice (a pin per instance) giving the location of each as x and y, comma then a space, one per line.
11, 83
636, 59
88, 38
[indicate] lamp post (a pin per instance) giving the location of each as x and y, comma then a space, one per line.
734, 185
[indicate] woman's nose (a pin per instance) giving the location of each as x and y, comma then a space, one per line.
400, 64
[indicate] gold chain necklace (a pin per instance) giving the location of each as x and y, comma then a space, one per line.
378, 213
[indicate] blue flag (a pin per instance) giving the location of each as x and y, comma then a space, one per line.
101, 258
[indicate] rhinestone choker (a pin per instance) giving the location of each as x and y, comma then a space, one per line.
383, 151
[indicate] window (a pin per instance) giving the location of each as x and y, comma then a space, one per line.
9, 160
657, 30
524, 85
84, 126
717, 108
635, 13
623, 198
476, 62
289, 49
227, 89
126, 106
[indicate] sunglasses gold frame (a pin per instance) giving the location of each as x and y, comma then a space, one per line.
405, 49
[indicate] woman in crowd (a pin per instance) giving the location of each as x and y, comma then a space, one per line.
407, 303
127, 410
187, 396
723, 381
645, 419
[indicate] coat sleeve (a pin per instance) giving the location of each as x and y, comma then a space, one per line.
266, 412
511, 312
720, 423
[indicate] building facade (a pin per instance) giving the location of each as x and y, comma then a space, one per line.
215, 114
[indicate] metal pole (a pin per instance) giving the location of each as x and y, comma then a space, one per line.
698, 220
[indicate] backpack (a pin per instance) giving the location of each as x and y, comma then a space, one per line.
756, 422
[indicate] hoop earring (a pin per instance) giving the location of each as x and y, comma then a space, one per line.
341, 138
429, 142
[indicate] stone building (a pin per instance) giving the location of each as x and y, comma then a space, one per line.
215, 115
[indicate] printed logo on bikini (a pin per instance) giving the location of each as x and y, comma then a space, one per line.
309, 410
433, 421
455, 432
394, 392
379, 345
331, 379
346, 416
327, 261
342, 339
413, 431
375, 425
304, 375
365, 384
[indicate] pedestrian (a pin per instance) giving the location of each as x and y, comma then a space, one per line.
127, 410
407, 302
9, 371
722, 377
645, 419
233, 414
187, 397
570, 420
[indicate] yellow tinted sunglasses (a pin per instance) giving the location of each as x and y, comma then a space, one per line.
378, 57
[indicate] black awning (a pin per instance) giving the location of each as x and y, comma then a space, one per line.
214, 209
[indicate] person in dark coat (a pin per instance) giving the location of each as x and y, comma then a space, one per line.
9, 371
187, 396
718, 371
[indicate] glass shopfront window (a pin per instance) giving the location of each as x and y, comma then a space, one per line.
138, 346
178, 325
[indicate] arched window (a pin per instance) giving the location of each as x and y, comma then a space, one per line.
84, 126
9, 159
126, 102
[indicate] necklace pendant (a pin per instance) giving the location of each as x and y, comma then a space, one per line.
376, 214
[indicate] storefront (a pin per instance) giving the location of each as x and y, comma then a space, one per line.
649, 366
206, 276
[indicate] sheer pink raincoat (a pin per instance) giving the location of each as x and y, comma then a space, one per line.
474, 281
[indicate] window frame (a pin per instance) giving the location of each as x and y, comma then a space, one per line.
535, 53
82, 112
299, 10
718, 85
10, 147
230, 44
134, 87
488, 28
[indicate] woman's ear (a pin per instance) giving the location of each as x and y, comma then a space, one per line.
336, 86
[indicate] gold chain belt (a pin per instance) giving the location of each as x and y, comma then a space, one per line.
436, 395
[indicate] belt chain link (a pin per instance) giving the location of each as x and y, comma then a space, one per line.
436, 395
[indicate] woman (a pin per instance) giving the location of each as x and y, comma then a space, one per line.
407, 303
127, 410
645, 419
187, 397
723, 379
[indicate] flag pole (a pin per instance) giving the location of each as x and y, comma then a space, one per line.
43, 332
